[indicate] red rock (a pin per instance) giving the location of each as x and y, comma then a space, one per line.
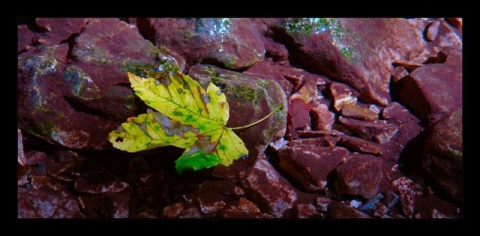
447, 38
269, 189
455, 21
322, 203
99, 183
209, 206
360, 175
399, 74
319, 140
25, 38
66, 156
44, 182
296, 81
271, 71
59, 29
298, 114
338, 210
277, 51
341, 95
310, 165
20, 153
407, 189
360, 145
380, 210
173, 210
118, 204
35, 157
432, 30
353, 110
409, 65
46, 204
230, 43
443, 155
303, 211
191, 212
323, 119
378, 131
243, 206
409, 127
421, 90
393, 109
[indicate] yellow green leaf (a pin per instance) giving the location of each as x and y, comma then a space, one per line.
188, 117
152, 130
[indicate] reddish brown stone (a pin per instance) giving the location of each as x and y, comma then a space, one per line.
20, 153
25, 38
277, 51
231, 43
378, 131
447, 38
99, 184
191, 212
393, 109
443, 155
338, 210
46, 204
210, 206
118, 204
323, 119
380, 210
310, 165
35, 157
296, 81
322, 203
432, 30
407, 189
409, 65
455, 21
360, 175
44, 182
242, 207
341, 95
305, 211
298, 114
59, 29
353, 110
173, 210
360, 145
319, 140
268, 188
399, 74
421, 90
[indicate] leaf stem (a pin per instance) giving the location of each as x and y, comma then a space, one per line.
258, 121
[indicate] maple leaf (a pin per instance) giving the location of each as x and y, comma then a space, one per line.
188, 117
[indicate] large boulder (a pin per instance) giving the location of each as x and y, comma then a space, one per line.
443, 155
75, 94
421, 91
230, 43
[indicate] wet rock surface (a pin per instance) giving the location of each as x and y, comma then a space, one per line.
420, 89
371, 125
443, 157
360, 175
